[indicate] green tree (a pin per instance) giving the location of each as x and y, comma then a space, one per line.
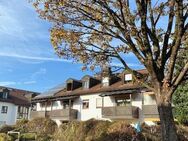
95, 31
180, 100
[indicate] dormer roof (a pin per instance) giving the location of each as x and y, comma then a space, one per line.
96, 87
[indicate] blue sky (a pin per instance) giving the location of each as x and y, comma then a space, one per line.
27, 59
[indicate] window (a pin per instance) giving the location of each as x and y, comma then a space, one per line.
42, 105
33, 107
123, 101
55, 104
85, 84
85, 104
105, 81
4, 109
149, 99
5, 95
65, 104
128, 77
22, 112
98, 102
69, 86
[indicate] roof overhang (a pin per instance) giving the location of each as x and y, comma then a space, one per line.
53, 99
120, 92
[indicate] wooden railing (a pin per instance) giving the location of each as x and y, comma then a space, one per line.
36, 114
61, 114
120, 112
64, 114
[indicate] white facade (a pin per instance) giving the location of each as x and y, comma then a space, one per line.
83, 114
94, 108
92, 111
12, 114
10, 117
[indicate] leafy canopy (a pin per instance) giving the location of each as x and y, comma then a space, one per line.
96, 31
180, 100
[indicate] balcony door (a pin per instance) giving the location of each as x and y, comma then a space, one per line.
65, 104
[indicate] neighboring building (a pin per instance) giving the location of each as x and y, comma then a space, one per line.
107, 97
15, 104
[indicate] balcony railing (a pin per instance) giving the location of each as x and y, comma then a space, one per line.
61, 114
37, 114
150, 111
64, 114
120, 112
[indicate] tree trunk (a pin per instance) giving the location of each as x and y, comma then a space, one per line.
168, 128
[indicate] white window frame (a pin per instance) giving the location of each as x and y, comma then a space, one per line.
86, 84
105, 81
128, 77
86, 101
5, 95
4, 111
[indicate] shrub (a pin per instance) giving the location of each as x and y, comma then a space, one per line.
6, 128
182, 132
94, 130
44, 127
180, 100
21, 125
5, 137
28, 136
68, 131
90, 130
120, 131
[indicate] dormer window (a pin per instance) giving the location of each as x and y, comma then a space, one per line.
5, 95
69, 86
128, 77
73, 84
105, 81
89, 81
85, 84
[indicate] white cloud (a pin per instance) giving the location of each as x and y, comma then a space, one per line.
13, 55
41, 71
17, 20
7, 83
10, 83
129, 64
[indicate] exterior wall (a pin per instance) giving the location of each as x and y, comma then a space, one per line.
49, 108
136, 100
149, 98
10, 117
151, 111
93, 111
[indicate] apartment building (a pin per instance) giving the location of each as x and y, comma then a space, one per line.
106, 97
15, 104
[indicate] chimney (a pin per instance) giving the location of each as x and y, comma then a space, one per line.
106, 70
106, 74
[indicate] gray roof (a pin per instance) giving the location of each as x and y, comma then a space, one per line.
53, 91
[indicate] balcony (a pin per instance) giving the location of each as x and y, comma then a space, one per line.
60, 114
63, 114
120, 112
150, 111
37, 114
